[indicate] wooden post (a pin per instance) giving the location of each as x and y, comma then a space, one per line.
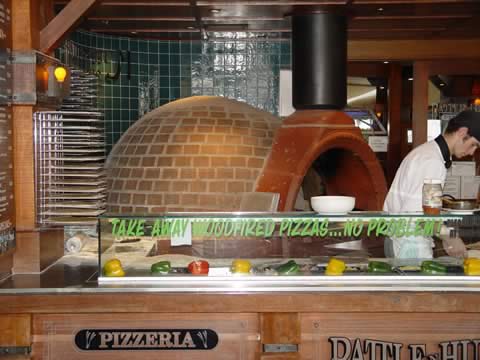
35, 250
420, 102
394, 157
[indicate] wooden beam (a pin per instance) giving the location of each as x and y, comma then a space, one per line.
70, 16
394, 156
420, 102
407, 50
460, 67
367, 69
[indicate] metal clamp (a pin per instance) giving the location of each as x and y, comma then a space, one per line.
280, 348
15, 350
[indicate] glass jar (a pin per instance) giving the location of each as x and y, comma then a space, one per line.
432, 196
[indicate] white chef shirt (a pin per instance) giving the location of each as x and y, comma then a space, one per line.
423, 162
405, 195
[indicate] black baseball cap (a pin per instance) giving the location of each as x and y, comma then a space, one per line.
469, 119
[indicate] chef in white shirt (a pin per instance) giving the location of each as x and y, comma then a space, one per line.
429, 161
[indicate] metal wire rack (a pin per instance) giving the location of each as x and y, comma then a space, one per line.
69, 158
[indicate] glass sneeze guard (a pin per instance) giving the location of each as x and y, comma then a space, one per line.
250, 246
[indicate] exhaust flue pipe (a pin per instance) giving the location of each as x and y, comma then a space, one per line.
319, 61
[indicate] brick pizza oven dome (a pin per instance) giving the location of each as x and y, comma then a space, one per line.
195, 154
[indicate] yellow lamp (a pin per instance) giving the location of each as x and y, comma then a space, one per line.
60, 74
476, 102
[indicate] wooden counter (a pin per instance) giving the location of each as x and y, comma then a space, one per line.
94, 323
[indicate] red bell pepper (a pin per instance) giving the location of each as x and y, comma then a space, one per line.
198, 267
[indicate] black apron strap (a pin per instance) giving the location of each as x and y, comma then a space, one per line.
442, 144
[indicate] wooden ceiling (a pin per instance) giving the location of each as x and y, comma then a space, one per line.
369, 19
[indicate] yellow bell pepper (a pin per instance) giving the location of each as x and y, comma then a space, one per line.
471, 266
241, 266
113, 268
335, 267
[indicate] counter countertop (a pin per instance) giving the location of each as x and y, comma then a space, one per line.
76, 275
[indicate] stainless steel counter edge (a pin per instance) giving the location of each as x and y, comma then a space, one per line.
265, 284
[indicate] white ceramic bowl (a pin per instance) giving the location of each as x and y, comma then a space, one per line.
333, 204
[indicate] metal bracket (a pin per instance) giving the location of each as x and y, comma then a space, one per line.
23, 57
15, 350
280, 348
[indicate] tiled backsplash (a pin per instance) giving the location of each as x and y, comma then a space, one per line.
241, 66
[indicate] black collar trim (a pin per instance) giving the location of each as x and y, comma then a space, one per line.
442, 144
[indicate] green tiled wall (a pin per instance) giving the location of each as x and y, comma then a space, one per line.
240, 66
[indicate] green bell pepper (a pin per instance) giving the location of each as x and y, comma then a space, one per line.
430, 267
290, 267
161, 267
379, 267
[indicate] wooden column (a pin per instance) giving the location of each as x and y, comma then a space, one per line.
394, 157
420, 102
35, 249
25, 36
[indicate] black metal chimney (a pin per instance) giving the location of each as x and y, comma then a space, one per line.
319, 61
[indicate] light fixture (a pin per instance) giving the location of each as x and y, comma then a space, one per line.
476, 102
190, 28
379, 114
386, 62
363, 96
45, 76
442, 84
382, 87
60, 74
410, 79
133, 32
215, 11
380, 9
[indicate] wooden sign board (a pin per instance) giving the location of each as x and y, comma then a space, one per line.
387, 336
146, 336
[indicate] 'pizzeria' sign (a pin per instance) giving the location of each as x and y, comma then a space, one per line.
145, 339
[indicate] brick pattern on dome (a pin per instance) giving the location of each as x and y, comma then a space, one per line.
194, 154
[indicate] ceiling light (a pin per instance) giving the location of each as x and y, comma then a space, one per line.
410, 79
386, 62
380, 9
442, 84
215, 11
190, 27
133, 32
382, 87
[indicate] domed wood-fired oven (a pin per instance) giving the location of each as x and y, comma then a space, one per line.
205, 153
330, 143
